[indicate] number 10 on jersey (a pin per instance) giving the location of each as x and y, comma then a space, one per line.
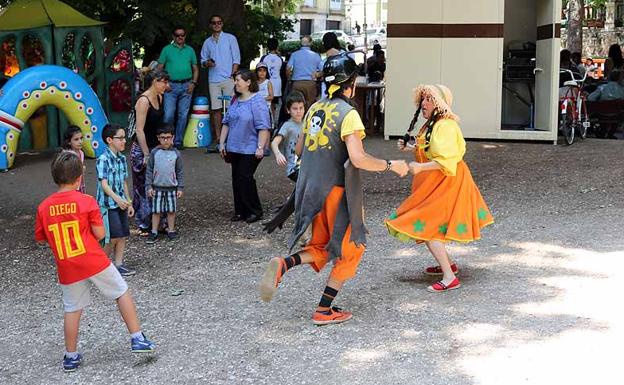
66, 246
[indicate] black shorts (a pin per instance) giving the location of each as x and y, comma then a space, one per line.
118, 223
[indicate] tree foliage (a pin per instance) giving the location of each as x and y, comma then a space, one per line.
277, 8
150, 23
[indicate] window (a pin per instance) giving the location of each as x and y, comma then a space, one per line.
335, 5
305, 27
309, 3
331, 24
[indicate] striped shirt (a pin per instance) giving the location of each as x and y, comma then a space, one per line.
113, 168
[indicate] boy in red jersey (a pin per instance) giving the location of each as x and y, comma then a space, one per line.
70, 222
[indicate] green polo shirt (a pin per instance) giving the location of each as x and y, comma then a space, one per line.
178, 61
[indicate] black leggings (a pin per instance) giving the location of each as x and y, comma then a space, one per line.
246, 200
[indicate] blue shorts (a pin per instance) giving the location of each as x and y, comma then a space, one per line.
118, 223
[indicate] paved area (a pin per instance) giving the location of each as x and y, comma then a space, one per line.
539, 303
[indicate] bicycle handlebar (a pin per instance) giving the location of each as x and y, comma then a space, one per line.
563, 70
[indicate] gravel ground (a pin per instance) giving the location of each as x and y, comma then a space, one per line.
538, 303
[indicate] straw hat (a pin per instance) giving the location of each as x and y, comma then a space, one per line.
442, 98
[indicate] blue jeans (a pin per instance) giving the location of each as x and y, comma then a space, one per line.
180, 98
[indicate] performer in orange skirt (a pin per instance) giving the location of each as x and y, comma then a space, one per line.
445, 204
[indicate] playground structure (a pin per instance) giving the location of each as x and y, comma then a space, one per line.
45, 85
41, 32
198, 128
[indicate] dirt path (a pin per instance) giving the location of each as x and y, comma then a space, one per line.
539, 302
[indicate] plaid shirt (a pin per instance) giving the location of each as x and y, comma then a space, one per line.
114, 169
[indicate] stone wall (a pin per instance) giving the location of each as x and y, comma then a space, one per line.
596, 41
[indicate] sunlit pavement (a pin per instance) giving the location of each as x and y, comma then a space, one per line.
539, 303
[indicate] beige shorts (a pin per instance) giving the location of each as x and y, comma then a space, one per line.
217, 90
109, 282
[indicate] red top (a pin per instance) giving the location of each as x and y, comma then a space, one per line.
64, 220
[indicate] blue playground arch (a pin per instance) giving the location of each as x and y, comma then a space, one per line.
45, 85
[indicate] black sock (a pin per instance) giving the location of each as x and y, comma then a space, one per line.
327, 298
291, 262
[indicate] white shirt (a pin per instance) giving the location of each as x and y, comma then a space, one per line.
274, 62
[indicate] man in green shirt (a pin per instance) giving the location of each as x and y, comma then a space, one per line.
180, 61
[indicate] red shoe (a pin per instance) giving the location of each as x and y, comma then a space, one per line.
439, 286
335, 316
437, 270
272, 278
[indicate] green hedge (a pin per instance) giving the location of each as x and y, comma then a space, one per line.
289, 46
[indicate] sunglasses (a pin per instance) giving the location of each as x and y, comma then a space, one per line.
179, 34
216, 22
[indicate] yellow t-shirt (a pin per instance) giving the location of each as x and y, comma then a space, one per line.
447, 145
352, 123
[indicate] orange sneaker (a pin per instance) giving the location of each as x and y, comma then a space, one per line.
335, 316
272, 278
437, 270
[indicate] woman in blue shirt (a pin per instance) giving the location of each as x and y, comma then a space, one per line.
244, 137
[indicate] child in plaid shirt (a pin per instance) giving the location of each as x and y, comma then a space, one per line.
112, 195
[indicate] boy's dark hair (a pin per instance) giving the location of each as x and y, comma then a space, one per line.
110, 130
66, 168
294, 97
272, 44
165, 128
69, 133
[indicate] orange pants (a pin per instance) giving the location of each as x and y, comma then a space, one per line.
322, 227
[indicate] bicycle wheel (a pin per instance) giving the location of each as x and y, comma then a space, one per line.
568, 123
583, 120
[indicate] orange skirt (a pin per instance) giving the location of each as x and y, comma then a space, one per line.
442, 208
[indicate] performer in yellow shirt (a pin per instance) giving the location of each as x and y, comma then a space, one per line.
328, 196
445, 204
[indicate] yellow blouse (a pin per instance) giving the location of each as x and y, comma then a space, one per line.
447, 145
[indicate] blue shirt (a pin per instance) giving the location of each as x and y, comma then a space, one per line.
224, 52
245, 119
114, 169
304, 62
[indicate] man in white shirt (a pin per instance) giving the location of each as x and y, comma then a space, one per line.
220, 53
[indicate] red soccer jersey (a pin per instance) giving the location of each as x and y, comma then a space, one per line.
64, 220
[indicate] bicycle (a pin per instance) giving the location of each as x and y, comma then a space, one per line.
573, 108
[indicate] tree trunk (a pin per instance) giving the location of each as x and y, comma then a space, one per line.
232, 11
575, 25
233, 14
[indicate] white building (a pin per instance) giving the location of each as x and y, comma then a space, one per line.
319, 15
376, 14
499, 57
